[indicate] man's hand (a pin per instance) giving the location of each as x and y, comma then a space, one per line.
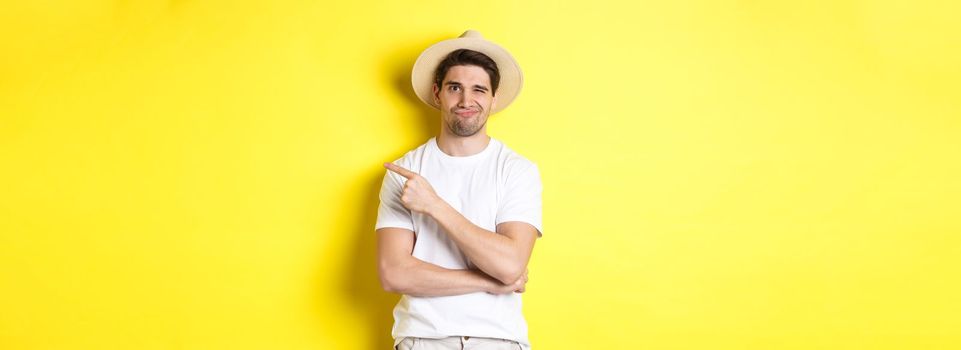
518, 286
418, 194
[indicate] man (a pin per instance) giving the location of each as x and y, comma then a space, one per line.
459, 215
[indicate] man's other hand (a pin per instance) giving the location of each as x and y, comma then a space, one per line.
518, 286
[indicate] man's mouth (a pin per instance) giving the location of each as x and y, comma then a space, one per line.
466, 113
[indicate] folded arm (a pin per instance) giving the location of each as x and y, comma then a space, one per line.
503, 254
400, 272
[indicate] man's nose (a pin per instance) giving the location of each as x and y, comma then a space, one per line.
464, 100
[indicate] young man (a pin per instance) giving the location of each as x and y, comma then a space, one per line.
459, 215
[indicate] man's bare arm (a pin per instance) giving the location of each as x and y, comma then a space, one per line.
503, 254
400, 272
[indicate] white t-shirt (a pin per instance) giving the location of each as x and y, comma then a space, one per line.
494, 186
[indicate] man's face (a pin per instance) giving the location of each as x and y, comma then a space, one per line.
465, 99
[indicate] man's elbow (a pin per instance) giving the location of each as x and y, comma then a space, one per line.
391, 279
388, 283
510, 274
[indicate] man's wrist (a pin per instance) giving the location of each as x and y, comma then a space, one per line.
488, 284
437, 209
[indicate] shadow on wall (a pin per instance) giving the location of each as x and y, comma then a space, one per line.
360, 287
398, 66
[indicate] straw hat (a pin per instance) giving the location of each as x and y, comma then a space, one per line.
422, 76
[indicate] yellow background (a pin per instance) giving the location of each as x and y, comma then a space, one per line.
718, 174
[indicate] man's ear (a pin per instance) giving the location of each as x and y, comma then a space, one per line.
494, 102
436, 94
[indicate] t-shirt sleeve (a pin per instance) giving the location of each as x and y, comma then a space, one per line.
522, 199
391, 212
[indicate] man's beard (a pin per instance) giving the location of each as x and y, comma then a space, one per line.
465, 128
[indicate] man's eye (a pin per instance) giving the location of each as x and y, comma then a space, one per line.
454, 88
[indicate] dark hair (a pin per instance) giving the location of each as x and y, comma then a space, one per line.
465, 57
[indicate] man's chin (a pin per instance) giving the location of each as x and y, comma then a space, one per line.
464, 132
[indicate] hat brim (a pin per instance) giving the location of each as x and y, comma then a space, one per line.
511, 78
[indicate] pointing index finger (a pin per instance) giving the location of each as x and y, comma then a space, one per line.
400, 170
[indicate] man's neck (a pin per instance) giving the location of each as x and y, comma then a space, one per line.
462, 146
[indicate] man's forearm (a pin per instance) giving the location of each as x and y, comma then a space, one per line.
416, 277
493, 253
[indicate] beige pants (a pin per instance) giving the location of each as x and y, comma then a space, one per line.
458, 343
